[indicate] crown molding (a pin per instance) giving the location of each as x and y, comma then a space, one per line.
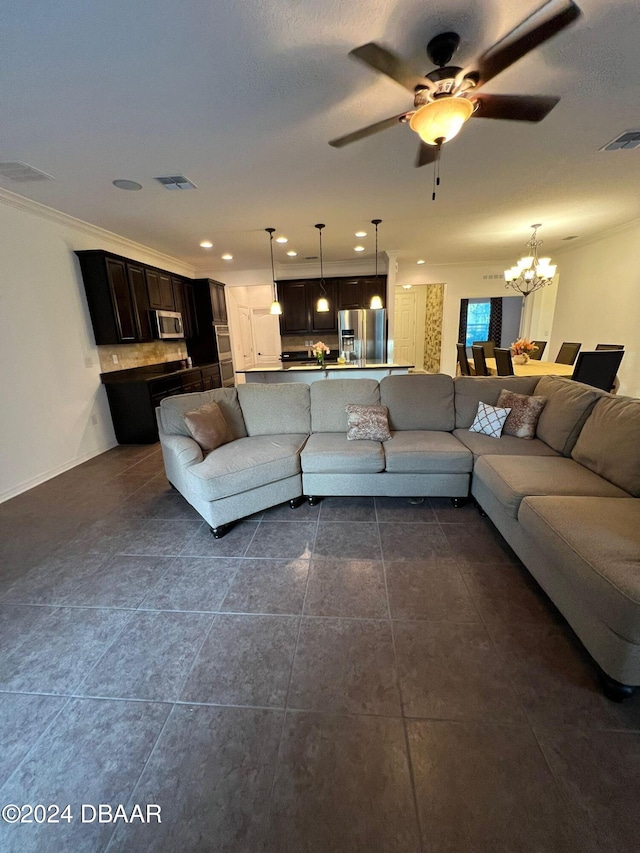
574, 245
11, 199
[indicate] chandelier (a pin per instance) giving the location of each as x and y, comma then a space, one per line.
530, 273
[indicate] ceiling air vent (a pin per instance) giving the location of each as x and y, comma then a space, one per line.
22, 172
628, 139
493, 275
177, 182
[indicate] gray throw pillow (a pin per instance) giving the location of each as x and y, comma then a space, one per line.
523, 417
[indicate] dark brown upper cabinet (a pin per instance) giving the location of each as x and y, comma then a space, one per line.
218, 303
293, 297
109, 297
138, 285
322, 321
299, 298
160, 290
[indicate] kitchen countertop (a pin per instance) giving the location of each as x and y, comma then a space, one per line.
149, 372
278, 367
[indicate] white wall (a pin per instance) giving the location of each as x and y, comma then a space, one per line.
598, 299
50, 380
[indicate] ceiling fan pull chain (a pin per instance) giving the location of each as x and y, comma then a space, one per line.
436, 168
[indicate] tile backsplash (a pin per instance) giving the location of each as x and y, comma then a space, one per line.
137, 355
298, 342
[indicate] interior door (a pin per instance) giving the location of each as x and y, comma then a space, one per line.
405, 327
266, 336
246, 338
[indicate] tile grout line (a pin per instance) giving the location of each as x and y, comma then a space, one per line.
405, 732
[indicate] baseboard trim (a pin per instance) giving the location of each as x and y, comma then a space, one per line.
52, 472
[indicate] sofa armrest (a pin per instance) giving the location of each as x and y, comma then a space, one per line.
185, 450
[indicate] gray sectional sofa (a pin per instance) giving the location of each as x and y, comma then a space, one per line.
566, 501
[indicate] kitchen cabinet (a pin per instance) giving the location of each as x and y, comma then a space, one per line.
160, 290
111, 285
135, 394
138, 284
210, 310
299, 298
183, 300
219, 303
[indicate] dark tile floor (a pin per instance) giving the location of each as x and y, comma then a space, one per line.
364, 675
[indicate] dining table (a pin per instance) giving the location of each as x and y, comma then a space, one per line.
532, 368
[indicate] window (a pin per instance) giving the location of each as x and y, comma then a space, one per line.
478, 315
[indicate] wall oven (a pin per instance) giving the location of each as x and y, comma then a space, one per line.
223, 343
227, 374
167, 324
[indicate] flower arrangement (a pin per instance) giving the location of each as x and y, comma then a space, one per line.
523, 347
320, 349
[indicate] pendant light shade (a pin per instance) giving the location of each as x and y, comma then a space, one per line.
275, 308
376, 300
322, 305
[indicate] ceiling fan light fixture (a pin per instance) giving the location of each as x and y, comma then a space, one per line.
441, 119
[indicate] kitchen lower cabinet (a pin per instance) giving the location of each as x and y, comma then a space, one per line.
133, 399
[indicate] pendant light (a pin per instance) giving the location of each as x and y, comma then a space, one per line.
376, 301
276, 308
322, 305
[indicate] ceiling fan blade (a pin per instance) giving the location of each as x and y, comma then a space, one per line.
366, 131
514, 45
382, 60
514, 107
426, 154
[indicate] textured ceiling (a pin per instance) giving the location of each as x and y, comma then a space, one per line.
242, 98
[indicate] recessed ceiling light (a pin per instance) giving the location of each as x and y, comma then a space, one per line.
206, 244
292, 254
361, 233
227, 257
358, 249
281, 240
420, 262
126, 185
406, 287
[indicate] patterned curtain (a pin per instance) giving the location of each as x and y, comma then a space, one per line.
433, 328
495, 320
462, 328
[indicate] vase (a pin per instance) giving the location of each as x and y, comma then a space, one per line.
320, 360
521, 359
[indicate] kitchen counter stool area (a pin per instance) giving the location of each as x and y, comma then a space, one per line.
369, 670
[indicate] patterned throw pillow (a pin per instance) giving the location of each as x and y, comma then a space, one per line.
525, 411
367, 422
208, 427
489, 420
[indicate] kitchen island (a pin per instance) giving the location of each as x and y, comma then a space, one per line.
277, 372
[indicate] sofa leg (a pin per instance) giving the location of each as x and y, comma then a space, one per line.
313, 500
615, 690
294, 503
479, 508
458, 502
220, 531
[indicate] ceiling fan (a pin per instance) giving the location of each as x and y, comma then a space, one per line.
445, 98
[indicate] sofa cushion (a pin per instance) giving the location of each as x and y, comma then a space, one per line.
524, 414
568, 406
172, 410
367, 422
419, 401
489, 420
332, 453
595, 544
506, 445
471, 390
207, 426
511, 478
426, 452
330, 397
609, 443
275, 409
245, 464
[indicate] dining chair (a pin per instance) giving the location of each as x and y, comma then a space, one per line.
504, 364
463, 361
536, 355
601, 347
487, 346
598, 368
479, 361
567, 353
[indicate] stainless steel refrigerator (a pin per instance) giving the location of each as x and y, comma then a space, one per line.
362, 334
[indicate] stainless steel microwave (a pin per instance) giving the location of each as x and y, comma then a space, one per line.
167, 324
